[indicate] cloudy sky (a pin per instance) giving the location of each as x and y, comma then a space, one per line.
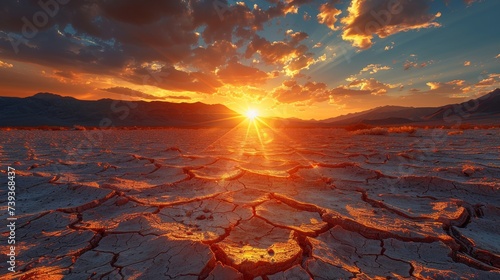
287, 58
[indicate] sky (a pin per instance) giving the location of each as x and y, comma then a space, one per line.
285, 58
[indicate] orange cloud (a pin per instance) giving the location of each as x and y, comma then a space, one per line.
328, 14
299, 63
290, 55
450, 88
374, 68
490, 80
315, 92
413, 64
460, 88
276, 52
373, 86
291, 92
433, 85
238, 74
487, 84
384, 18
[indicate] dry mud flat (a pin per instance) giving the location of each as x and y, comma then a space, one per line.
296, 204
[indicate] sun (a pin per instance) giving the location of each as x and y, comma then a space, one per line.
252, 114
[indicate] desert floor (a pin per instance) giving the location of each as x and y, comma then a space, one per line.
277, 204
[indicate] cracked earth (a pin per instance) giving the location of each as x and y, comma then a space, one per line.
213, 204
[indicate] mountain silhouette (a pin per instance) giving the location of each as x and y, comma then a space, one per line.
482, 110
47, 109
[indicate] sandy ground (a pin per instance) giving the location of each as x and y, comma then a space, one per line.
280, 204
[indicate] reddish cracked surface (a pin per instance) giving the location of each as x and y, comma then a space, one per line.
306, 204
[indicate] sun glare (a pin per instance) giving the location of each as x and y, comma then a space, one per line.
252, 114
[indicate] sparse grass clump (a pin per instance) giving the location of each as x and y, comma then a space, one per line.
456, 132
468, 169
403, 129
78, 127
384, 130
372, 131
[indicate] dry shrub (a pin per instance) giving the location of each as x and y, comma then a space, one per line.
372, 131
468, 170
456, 132
403, 129
464, 126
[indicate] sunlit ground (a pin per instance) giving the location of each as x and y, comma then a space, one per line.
256, 200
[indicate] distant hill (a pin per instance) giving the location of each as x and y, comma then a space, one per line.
483, 110
47, 109
484, 107
410, 114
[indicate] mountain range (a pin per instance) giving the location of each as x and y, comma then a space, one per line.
482, 110
47, 109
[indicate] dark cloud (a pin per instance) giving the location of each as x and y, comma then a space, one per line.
50, 48
19, 82
220, 19
212, 56
142, 95
178, 97
66, 74
347, 92
130, 92
223, 20
194, 45
296, 37
142, 12
123, 38
413, 64
467, 2
170, 78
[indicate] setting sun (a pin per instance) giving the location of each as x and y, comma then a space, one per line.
252, 114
